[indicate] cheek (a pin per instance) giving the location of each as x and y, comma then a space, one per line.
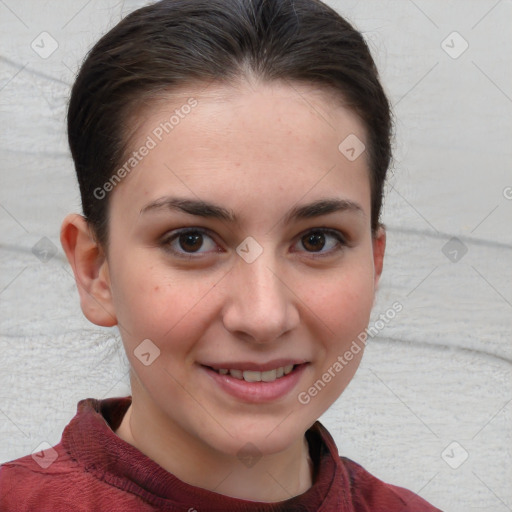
344, 303
348, 309
342, 310
162, 306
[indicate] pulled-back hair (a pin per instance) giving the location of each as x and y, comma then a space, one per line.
174, 43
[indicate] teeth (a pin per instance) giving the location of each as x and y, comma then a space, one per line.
268, 376
238, 374
250, 376
255, 376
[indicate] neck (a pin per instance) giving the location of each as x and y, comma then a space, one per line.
274, 477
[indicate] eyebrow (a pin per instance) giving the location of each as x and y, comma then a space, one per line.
206, 209
323, 207
192, 207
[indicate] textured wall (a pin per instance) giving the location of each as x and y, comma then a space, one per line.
435, 385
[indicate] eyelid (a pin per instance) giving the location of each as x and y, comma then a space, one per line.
172, 235
339, 236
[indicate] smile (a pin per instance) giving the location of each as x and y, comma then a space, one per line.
257, 376
273, 381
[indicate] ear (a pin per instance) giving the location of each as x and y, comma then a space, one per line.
379, 247
90, 267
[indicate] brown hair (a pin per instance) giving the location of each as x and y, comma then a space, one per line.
173, 43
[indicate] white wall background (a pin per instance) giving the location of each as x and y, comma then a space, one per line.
439, 372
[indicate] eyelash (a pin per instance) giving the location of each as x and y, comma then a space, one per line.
173, 236
341, 241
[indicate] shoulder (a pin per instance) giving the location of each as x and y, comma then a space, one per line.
35, 481
74, 474
52, 481
368, 493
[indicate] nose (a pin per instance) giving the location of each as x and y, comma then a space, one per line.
261, 307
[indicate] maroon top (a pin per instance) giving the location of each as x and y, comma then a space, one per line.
92, 469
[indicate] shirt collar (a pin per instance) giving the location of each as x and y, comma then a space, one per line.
90, 439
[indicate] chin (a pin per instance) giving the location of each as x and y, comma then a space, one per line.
246, 437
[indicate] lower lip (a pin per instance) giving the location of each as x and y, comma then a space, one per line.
257, 392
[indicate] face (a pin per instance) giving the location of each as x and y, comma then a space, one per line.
241, 247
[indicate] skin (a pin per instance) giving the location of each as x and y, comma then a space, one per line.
259, 150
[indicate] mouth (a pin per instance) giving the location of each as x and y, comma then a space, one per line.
255, 375
246, 383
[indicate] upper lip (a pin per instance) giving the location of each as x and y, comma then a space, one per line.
258, 367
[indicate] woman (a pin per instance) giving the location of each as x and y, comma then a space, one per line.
231, 157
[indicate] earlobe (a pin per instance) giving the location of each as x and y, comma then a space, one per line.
90, 268
379, 248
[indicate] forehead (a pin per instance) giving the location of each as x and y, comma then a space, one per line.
238, 143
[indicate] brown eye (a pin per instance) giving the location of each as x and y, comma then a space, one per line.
314, 241
321, 242
190, 242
